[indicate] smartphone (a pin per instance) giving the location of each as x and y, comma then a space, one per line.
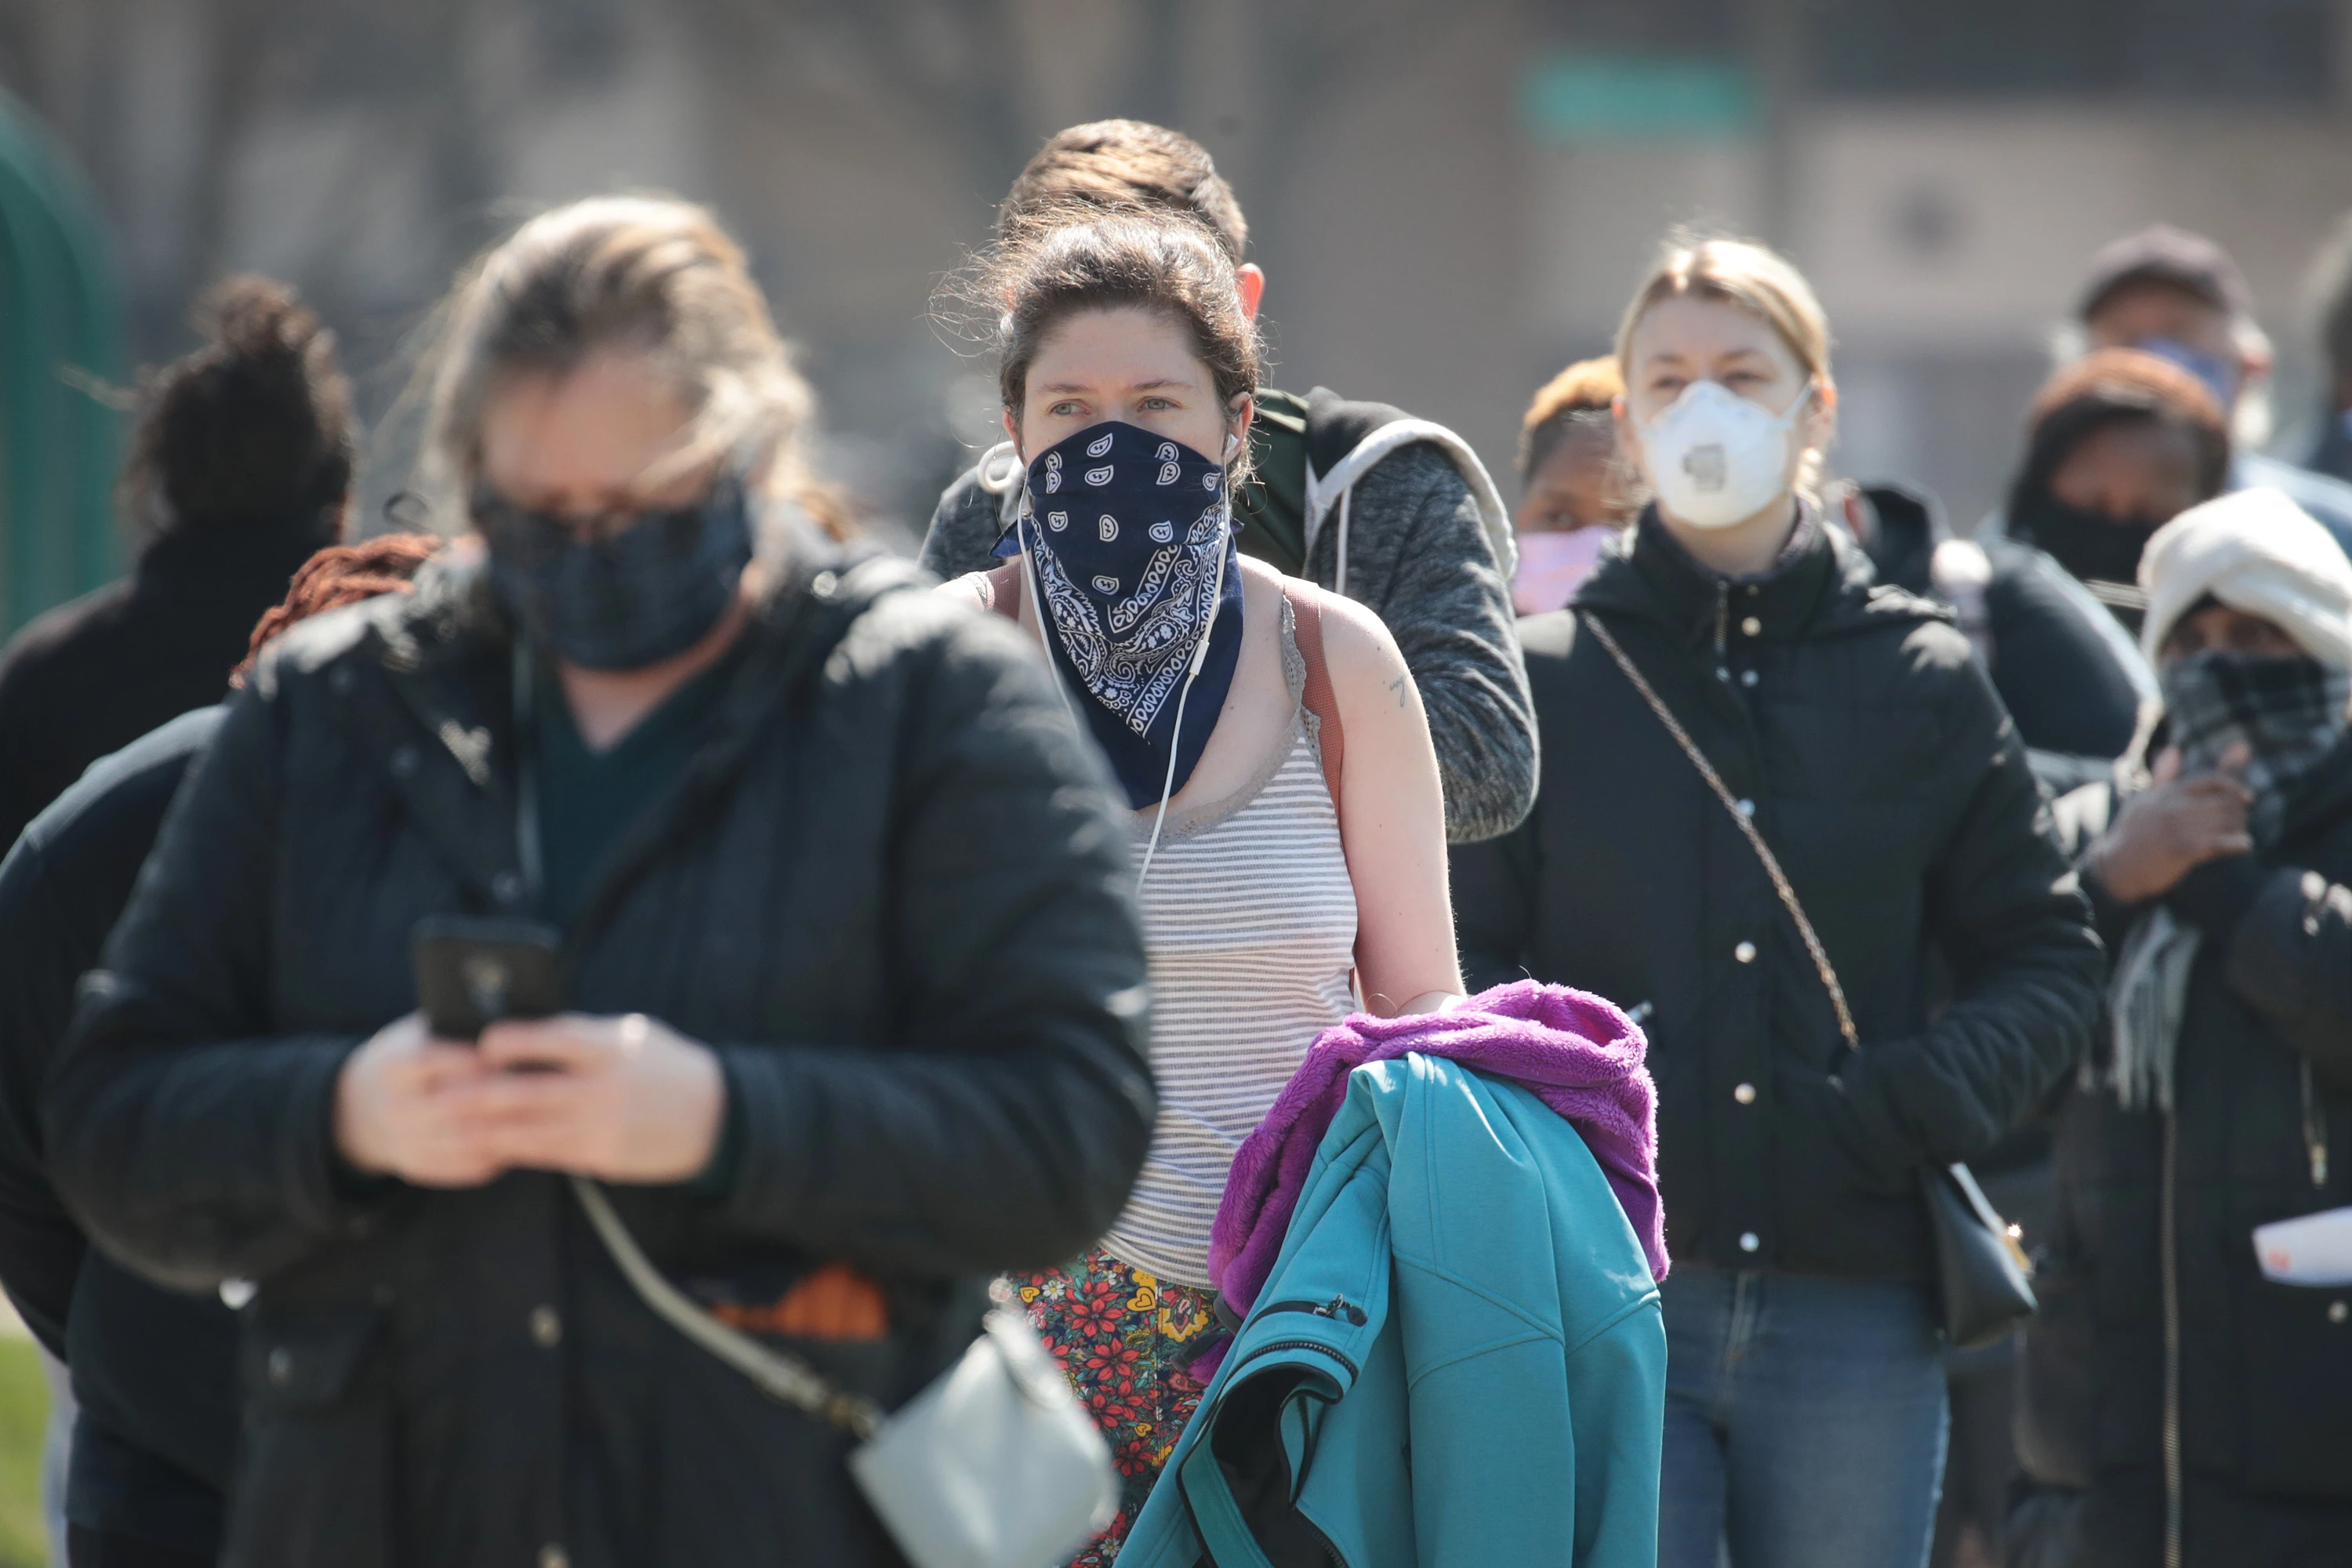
473, 971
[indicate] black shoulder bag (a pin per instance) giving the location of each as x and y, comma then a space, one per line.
1983, 1275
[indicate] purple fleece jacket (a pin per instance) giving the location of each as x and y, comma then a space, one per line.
1578, 1053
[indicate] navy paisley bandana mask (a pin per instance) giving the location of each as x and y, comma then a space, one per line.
1133, 546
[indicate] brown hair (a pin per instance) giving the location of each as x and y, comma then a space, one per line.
1584, 393
1120, 165
645, 275
254, 430
2119, 387
1044, 274
1757, 278
337, 576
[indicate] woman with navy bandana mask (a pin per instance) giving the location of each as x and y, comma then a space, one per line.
1288, 826
2188, 1396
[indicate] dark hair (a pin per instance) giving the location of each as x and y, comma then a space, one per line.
2113, 387
1120, 165
254, 430
337, 576
1045, 272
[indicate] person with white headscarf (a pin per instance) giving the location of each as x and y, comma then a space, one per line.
2185, 1401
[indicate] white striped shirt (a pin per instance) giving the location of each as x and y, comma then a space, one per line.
1251, 920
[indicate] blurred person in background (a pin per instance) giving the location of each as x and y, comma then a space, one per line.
1574, 498
1805, 1414
240, 467
2179, 1406
1394, 512
1271, 863
2179, 295
153, 1370
2118, 443
2331, 450
844, 922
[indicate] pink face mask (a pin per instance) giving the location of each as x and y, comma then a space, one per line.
1552, 565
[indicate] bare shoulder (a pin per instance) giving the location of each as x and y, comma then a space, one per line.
1366, 669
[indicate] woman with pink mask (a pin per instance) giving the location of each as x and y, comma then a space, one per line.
1574, 498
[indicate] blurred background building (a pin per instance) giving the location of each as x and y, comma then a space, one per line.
1452, 197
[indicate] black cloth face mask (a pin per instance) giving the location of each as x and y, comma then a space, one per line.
624, 599
2091, 545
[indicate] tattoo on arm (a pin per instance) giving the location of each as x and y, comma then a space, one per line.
1402, 687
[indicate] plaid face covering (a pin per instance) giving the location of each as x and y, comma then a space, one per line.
2291, 714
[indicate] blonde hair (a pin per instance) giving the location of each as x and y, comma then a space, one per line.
1759, 280
648, 275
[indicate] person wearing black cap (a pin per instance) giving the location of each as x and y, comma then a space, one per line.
2179, 295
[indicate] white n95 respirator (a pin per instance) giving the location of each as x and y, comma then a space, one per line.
1714, 458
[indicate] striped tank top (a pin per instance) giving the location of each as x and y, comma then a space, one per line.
1250, 919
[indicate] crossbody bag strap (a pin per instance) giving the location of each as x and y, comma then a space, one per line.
1745, 824
782, 1378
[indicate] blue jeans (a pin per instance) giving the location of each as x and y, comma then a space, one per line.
1805, 1422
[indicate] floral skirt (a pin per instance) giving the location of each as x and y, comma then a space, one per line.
1122, 1337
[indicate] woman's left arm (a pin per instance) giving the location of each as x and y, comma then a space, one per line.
1391, 818
2003, 902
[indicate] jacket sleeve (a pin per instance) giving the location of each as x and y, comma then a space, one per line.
1494, 886
2290, 953
2004, 905
1449, 608
190, 1141
41, 1248
963, 530
1007, 1131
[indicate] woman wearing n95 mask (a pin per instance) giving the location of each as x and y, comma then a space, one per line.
1805, 1408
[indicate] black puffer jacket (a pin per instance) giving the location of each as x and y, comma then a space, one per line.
890, 889
2263, 1070
155, 1437
1886, 777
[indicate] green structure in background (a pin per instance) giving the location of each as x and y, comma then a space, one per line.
60, 349
1575, 99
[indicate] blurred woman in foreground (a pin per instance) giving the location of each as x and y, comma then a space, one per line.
853, 980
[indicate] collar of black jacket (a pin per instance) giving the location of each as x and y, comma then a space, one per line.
445, 652
207, 553
1823, 581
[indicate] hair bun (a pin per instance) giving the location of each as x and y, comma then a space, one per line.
257, 318
251, 430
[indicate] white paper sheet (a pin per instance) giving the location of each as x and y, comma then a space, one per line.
2311, 1250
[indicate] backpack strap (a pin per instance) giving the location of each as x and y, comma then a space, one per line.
1321, 699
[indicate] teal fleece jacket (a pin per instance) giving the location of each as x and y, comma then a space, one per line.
1458, 1359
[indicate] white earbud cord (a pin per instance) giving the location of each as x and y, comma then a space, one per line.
1176, 738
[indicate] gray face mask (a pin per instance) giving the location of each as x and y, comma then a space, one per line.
639, 595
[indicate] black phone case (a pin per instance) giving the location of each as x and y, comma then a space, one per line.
473, 971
